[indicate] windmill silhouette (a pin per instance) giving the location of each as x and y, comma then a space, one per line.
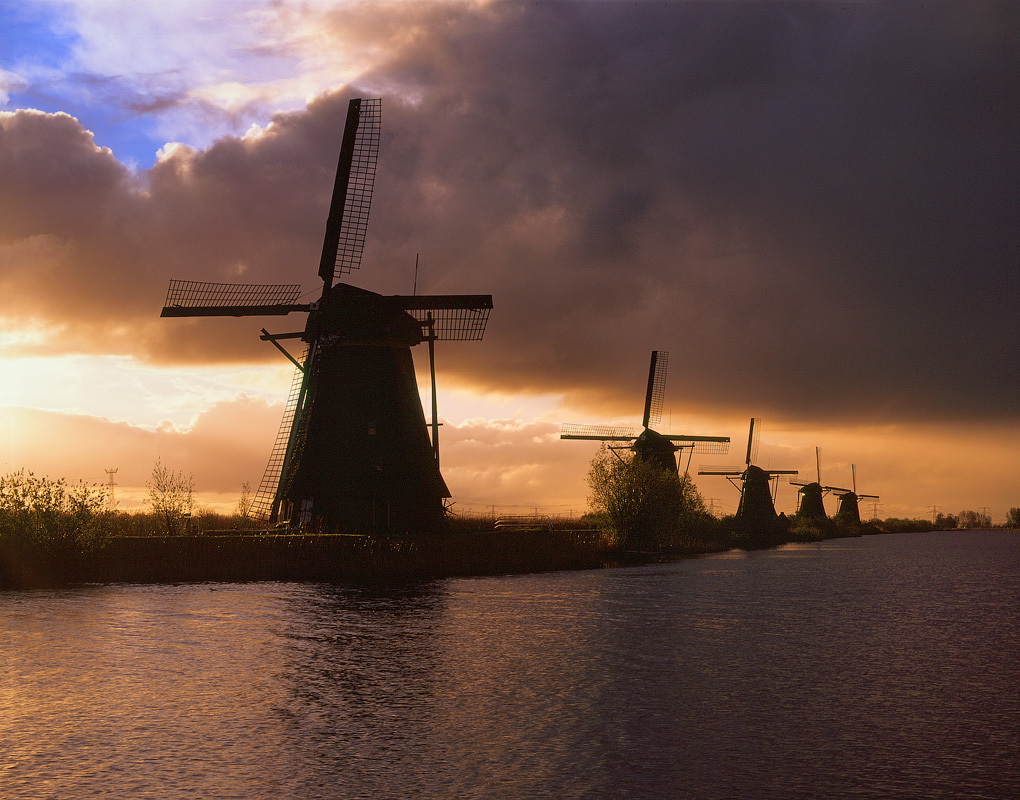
812, 494
757, 486
353, 450
848, 508
650, 445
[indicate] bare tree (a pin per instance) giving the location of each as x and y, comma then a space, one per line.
170, 497
244, 504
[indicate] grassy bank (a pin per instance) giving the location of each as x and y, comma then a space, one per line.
71, 542
268, 556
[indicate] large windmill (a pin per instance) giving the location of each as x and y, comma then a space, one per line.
757, 486
658, 448
848, 508
353, 451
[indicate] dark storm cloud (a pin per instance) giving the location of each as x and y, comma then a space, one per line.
814, 208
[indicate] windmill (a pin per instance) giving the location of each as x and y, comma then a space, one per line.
811, 504
757, 486
848, 508
353, 450
650, 445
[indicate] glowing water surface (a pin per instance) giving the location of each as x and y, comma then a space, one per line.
862, 668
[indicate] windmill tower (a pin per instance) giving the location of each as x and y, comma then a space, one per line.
757, 486
811, 503
650, 445
848, 508
353, 451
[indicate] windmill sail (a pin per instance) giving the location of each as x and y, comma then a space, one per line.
753, 435
347, 223
650, 445
656, 389
204, 299
705, 445
262, 505
598, 433
450, 317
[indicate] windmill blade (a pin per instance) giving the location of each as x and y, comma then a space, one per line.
753, 435
656, 389
706, 445
772, 473
450, 317
599, 433
838, 490
262, 504
349, 207
202, 299
867, 497
707, 470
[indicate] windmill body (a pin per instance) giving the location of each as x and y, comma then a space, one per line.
650, 445
364, 457
353, 452
812, 495
812, 504
756, 498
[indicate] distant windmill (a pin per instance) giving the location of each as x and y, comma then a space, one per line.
812, 494
848, 508
757, 486
353, 450
650, 445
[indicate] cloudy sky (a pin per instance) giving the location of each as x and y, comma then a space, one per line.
812, 207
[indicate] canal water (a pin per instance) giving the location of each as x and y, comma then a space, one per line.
878, 667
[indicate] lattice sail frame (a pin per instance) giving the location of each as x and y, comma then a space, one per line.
452, 324
702, 447
262, 504
656, 389
602, 433
358, 200
202, 298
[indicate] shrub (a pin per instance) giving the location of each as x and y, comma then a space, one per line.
45, 514
642, 504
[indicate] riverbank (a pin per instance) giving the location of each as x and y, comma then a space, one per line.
232, 556
229, 557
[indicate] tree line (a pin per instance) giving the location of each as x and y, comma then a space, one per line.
640, 505
51, 517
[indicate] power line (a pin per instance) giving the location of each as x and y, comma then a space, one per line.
111, 503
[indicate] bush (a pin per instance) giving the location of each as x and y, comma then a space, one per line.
897, 525
47, 515
645, 506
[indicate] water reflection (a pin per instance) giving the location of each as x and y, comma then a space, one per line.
865, 668
358, 685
